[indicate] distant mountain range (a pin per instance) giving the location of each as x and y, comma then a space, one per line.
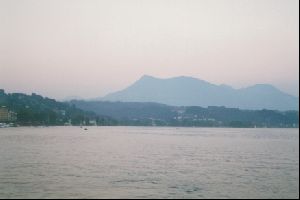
188, 91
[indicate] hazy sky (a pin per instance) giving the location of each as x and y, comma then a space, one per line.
89, 48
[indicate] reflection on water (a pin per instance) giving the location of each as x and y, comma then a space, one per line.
143, 162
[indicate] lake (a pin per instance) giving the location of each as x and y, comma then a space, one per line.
148, 162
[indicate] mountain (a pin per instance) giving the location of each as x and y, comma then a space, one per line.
188, 91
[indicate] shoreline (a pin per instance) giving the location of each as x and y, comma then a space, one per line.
3, 125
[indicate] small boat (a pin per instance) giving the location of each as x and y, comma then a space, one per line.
85, 129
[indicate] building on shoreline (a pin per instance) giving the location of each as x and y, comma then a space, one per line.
6, 115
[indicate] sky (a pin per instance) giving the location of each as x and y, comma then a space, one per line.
85, 48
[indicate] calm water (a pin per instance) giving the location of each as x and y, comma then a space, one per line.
141, 162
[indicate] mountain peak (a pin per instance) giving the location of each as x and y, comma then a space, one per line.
189, 91
180, 78
147, 77
262, 87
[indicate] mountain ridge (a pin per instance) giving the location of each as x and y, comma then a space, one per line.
190, 91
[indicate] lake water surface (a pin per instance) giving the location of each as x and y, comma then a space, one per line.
146, 162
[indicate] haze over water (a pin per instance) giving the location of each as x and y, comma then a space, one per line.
149, 162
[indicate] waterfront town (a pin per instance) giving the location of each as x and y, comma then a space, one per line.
7, 117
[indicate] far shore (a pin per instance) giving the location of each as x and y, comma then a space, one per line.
3, 125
